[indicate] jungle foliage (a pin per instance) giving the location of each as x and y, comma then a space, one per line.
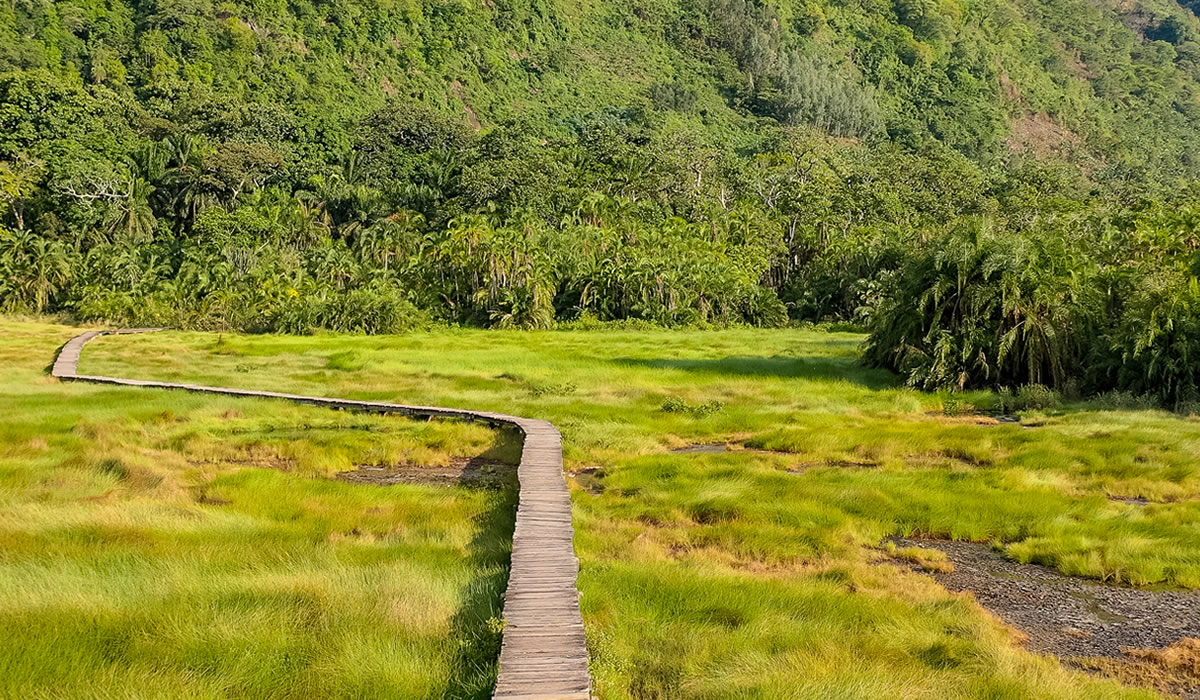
1106, 303
1003, 191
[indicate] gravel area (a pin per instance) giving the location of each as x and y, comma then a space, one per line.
1067, 616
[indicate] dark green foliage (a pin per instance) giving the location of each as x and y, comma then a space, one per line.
1152, 346
673, 97
674, 404
970, 179
981, 307
33, 270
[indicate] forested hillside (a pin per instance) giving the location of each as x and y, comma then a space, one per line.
1003, 191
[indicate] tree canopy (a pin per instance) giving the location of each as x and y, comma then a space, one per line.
1005, 193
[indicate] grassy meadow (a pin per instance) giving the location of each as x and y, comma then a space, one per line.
158, 544
143, 541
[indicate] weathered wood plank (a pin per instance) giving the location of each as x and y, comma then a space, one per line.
543, 654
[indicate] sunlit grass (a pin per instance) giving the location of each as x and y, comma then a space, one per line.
167, 545
756, 572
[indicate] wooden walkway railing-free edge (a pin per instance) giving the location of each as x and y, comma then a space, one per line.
544, 653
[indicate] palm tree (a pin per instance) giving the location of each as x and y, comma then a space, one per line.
191, 188
42, 270
132, 217
384, 240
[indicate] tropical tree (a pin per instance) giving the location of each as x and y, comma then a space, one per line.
132, 217
34, 267
982, 306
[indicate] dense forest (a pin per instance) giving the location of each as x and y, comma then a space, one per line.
1001, 192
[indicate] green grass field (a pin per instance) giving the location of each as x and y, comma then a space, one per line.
157, 544
144, 545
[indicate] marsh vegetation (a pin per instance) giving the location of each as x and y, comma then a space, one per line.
757, 569
158, 544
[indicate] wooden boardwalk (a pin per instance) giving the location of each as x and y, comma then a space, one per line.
544, 653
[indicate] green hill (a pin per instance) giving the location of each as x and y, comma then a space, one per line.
1106, 85
364, 166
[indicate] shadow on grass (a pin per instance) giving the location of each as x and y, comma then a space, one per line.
776, 366
476, 631
505, 449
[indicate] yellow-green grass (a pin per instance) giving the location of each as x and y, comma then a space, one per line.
757, 572
159, 544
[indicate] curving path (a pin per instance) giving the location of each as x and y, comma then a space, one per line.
544, 653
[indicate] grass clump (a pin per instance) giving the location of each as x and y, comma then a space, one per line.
564, 389
753, 572
928, 559
1032, 397
674, 404
348, 361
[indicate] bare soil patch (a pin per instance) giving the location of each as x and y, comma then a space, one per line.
457, 88
462, 471
839, 463
1130, 501
1040, 133
702, 449
1140, 636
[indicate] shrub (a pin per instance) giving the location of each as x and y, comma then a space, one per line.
953, 407
1032, 397
815, 93
979, 308
674, 404
375, 309
673, 96
1035, 397
1117, 400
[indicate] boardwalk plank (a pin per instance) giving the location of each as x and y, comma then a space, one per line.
543, 654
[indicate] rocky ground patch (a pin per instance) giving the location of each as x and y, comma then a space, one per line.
1139, 636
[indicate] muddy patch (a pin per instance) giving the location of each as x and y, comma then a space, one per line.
802, 467
461, 471
715, 448
1123, 632
591, 479
985, 418
1130, 501
702, 449
203, 497
279, 464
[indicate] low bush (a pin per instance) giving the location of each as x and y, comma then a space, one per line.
674, 404
956, 407
1032, 397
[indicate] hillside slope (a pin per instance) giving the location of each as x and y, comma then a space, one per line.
361, 166
1104, 83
